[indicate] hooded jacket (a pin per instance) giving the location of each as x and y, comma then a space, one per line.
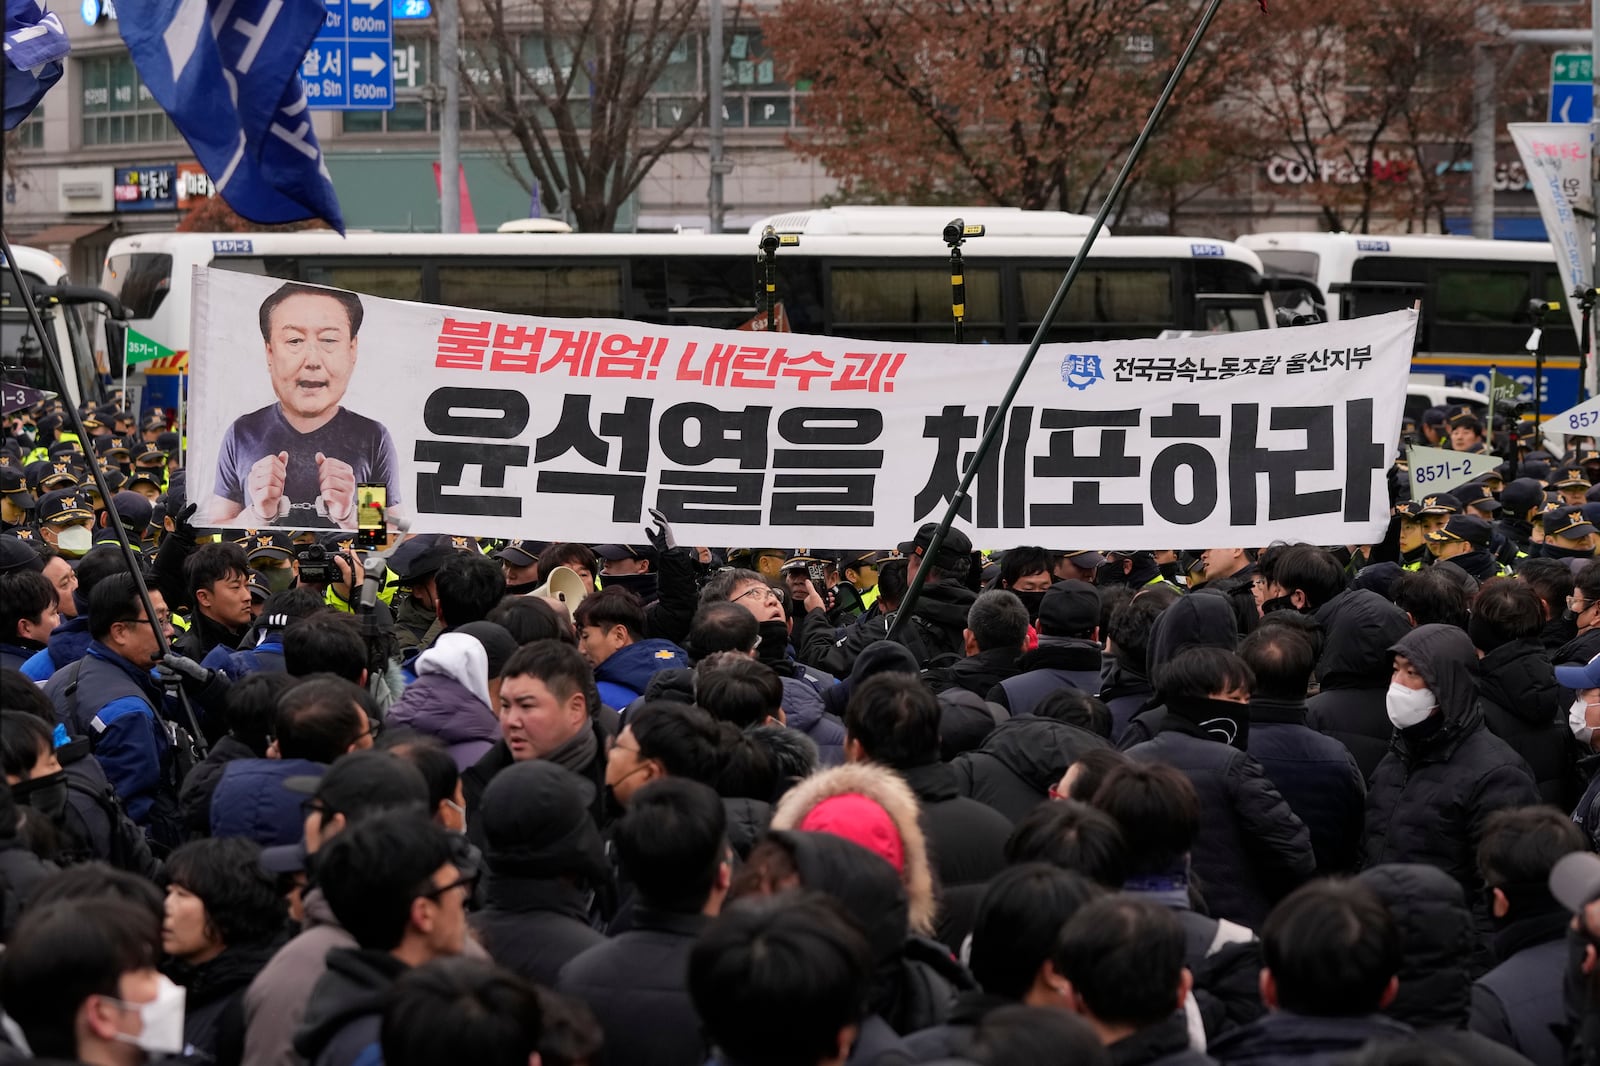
1252, 849
346, 1007
275, 1002
251, 800
201, 785
1125, 691
213, 1016
914, 979
449, 700
1020, 762
940, 619
1202, 620
1522, 706
626, 673
1440, 944
1519, 1003
977, 674
1055, 664
1359, 628
885, 788
1317, 776
547, 864
1430, 796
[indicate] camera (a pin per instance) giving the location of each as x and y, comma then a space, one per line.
317, 566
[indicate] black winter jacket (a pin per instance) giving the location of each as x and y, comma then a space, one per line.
637, 984
1252, 850
1318, 778
1580, 649
977, 674
1052, 666
1359, 628
940, 621
1522, 706
213, 1015
1284, 1039
1163, 1044
1126, 691
534, 927
966, 839
1430, 796
1020, 762
194, 796
1518, 1003
954, 1038
1440, 945
345, 1010
1240, 590
677, 597
1205, 619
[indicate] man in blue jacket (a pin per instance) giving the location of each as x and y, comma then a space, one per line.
610, 627
110, 696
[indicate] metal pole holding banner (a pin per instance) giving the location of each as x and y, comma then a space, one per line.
991, 434
52, 359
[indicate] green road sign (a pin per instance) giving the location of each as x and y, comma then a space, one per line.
141, 349
1571, 67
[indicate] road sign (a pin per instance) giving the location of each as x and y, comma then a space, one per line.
350, 66
1571, 87
412, 9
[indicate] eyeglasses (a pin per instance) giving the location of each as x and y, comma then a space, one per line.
764, 593
144, 620
1576, 604
374, 730
312, 805
615, 744
468, 881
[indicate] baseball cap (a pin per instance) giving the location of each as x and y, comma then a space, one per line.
1538, 469
801, 559
1571, 477
17, 555
153, 422
362, 780
956, 547
14, 487
1433, 416
146, 475
1465, 417
1069, 607
855, 560
1476, 494
1463, 528
111, 445
64, 506
1441, 503
50, 474
1410, 510
1566, 522
1084, 559
520, 552
284, 859
612, 553
1578, 676
151, 457
1522, 495
266, 544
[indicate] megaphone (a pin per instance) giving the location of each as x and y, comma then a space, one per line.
564, 586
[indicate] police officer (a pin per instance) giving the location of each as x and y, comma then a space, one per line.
1572, 484
1464, 543
1466, 433
16, 502
1520, 500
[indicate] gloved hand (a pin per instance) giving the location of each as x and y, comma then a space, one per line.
184, 669
180, 521
660, 535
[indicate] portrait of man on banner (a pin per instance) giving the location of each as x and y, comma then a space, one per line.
297, 461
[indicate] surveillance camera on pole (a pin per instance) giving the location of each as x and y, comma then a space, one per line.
771, 241
956, 233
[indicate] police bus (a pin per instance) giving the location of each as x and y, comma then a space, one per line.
872, 273
1477, 300
22, 360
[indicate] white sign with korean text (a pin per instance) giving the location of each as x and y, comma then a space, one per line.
501, 425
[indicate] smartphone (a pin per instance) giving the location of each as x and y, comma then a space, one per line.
372, 505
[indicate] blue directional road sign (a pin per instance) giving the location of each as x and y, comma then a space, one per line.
350, 66
412, 9
1571, 87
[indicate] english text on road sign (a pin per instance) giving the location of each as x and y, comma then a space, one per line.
350, 67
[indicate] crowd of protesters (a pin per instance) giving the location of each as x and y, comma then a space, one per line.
527, 802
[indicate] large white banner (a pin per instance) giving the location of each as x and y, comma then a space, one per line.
1556, 157
503, 425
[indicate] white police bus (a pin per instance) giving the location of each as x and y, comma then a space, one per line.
873, 273
1477, 300
22, 360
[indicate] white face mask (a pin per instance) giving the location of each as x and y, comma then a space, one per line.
1578, 720
75, 540
1408, 706
161, 1020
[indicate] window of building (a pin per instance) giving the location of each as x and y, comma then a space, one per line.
117, 106
30, 132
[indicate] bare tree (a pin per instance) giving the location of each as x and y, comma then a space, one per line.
563, 84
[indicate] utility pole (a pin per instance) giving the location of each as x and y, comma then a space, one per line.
450, 116
1483, 132
719, 167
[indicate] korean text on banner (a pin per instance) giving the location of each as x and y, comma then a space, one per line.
503, 425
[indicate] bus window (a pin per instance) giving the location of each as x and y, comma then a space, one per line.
913, 303
713, 291
1479, 296
1289, 263
375, 278
572, 290
1229, 314
140, 280
1113, 303
1559, 336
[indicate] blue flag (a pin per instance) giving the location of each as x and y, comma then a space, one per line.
35, 45
228, 72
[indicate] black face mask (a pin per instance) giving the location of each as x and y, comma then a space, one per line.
522, 588
774, 642
1226, 721
1033, 601
47, 794
1278, 603
645, 585
1553, 552
1173, 572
